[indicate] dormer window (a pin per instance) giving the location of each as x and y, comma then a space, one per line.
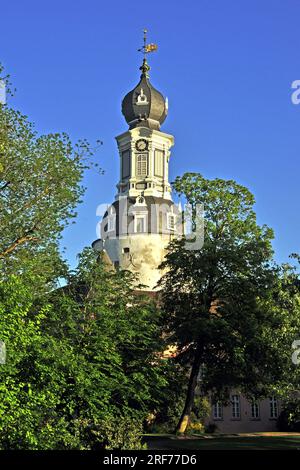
141, 98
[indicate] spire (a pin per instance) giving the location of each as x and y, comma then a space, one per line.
145, 67
144, 106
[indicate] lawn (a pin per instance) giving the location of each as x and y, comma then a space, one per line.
255, 441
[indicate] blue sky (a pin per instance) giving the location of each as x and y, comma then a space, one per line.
226, 67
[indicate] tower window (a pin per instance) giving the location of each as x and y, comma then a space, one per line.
126, 164
159, 163
126, 250
140, 223
171, 221
111, 220
141, 165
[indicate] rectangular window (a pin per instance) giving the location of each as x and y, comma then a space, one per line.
141, 186
159, 163
255, 413
141, 165
273, 408
217, 410
140, 224
126, 164
160, 222
171, 220
111, 223
236, 409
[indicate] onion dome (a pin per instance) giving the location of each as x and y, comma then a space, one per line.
144, 106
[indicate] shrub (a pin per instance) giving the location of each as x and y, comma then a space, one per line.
195, 427
117, 433
211, 428
289, 418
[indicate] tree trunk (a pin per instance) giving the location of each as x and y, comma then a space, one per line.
189, 402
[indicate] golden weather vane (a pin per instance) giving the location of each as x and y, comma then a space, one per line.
146, 48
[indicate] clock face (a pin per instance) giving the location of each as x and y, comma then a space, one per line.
141, 145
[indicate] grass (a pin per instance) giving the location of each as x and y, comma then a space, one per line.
254, 441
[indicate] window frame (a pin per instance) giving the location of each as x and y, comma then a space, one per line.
142, 217
141, 169
158, 153
125, 156
111, 223
273, 404
171, 227
217, 411
235, 406
255, 409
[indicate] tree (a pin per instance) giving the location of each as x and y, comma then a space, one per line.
40, 188
83, 368
83, 365
284, 332
120, 340
216, 299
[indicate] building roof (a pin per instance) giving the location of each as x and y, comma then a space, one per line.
144, 106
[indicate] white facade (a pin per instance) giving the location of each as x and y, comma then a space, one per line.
243, 415
140, 245
141, 254
144, 163
135, 237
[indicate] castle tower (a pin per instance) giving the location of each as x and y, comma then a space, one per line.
141, 222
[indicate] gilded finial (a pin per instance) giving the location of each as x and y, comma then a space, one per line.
145, 49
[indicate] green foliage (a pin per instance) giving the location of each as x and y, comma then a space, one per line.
210, 295
221, 302
169, 408
82, 362
22, 337
289, 418
40, 187
200, 411
201, 408
283, 309
118, 433
211, 428
83, 367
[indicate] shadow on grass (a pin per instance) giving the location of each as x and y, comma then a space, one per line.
169, 442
